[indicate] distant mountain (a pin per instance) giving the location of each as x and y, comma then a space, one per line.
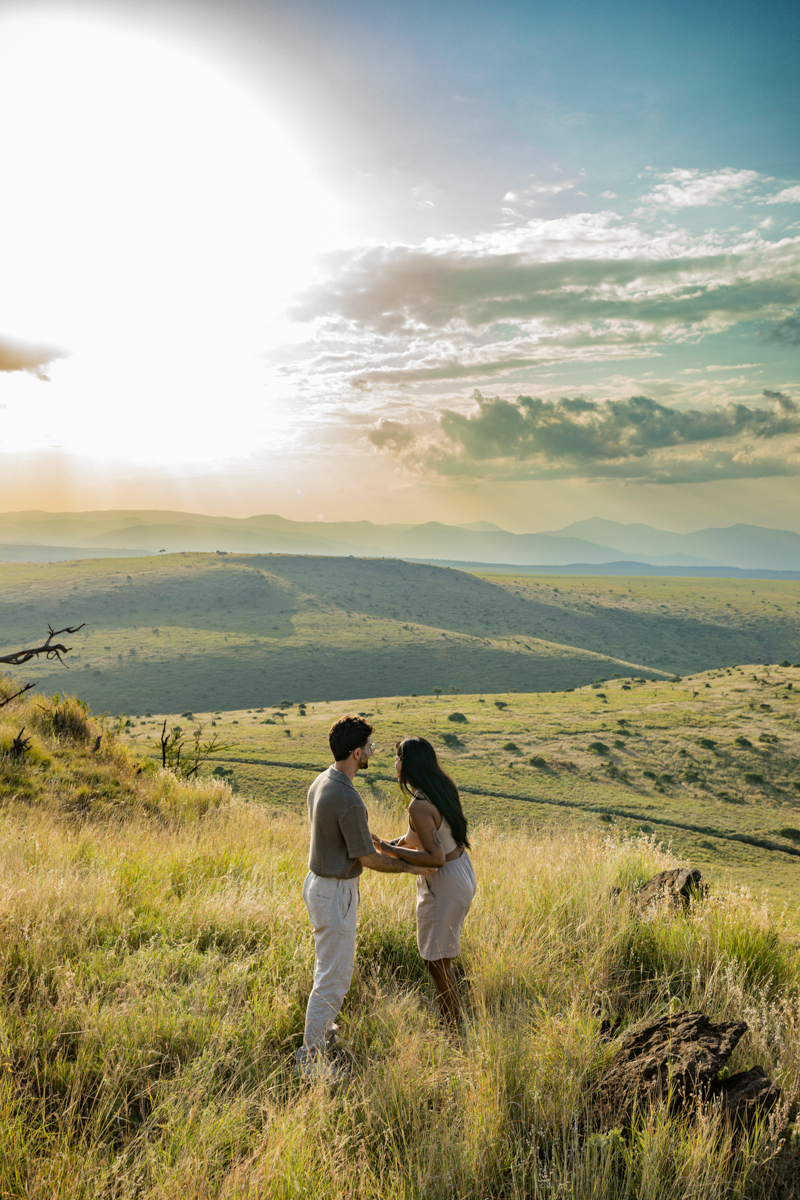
155, 530
594, 541
748, 546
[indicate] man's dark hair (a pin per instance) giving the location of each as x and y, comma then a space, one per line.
347, 735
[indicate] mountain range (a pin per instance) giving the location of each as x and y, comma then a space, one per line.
42, 536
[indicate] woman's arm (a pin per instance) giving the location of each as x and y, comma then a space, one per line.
384, 847
394, 866
421, 814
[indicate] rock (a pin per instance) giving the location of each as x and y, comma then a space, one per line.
675, 887
677, 1061
747, 1094
673, 1059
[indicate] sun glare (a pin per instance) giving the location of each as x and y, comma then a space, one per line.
155, 219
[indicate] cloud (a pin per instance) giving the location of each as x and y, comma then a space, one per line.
789, 195
786, 331
14, 356
635, 438
426, 313
392, 435
683, 188
411, 323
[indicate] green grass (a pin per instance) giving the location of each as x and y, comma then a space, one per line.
155, 959
205, 631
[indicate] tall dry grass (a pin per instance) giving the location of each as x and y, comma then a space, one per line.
155, 960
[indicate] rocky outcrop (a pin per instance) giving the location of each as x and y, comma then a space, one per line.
747, 1094
677, 1061
676, 887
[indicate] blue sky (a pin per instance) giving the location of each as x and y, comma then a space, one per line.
521, 263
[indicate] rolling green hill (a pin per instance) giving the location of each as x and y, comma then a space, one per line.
225, 631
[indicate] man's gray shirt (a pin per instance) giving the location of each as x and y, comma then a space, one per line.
339, 826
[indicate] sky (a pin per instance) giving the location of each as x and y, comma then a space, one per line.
524, 263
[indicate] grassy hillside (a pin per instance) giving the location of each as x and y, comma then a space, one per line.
155, 960
223, 631
710, 764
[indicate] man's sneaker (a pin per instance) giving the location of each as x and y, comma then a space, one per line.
312, 1065
331, 1036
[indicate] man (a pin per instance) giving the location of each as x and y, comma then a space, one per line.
341, 846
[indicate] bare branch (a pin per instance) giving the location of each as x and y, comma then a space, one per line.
21, 691
51, 649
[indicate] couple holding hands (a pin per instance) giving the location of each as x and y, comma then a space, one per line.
434, 848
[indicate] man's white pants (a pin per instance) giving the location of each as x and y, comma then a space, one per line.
332, 909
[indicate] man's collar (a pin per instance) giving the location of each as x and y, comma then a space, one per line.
341, 775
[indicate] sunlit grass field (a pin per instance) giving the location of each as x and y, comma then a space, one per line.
155, 961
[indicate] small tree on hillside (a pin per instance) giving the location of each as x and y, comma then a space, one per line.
183, 756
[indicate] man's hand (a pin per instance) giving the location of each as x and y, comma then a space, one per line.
392, 866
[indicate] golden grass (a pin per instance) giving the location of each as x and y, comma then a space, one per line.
155, 960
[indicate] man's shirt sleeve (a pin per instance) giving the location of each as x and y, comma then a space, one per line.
355, 831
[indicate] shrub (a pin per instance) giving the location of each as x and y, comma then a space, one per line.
649, 774
511, 748
619, 744
753, 777
769, 738
458, 718
706, 743
615, 772
538, 761
452, 739
598, 748
789, 832
744, 742
64, 717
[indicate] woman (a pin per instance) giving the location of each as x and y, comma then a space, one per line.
436, 837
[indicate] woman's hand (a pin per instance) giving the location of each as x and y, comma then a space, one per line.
383, 847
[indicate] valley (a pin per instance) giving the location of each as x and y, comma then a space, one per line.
219, 631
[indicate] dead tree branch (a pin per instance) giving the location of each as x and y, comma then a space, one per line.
50, 649
21, 692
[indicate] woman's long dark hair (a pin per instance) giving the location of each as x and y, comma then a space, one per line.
420, 768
